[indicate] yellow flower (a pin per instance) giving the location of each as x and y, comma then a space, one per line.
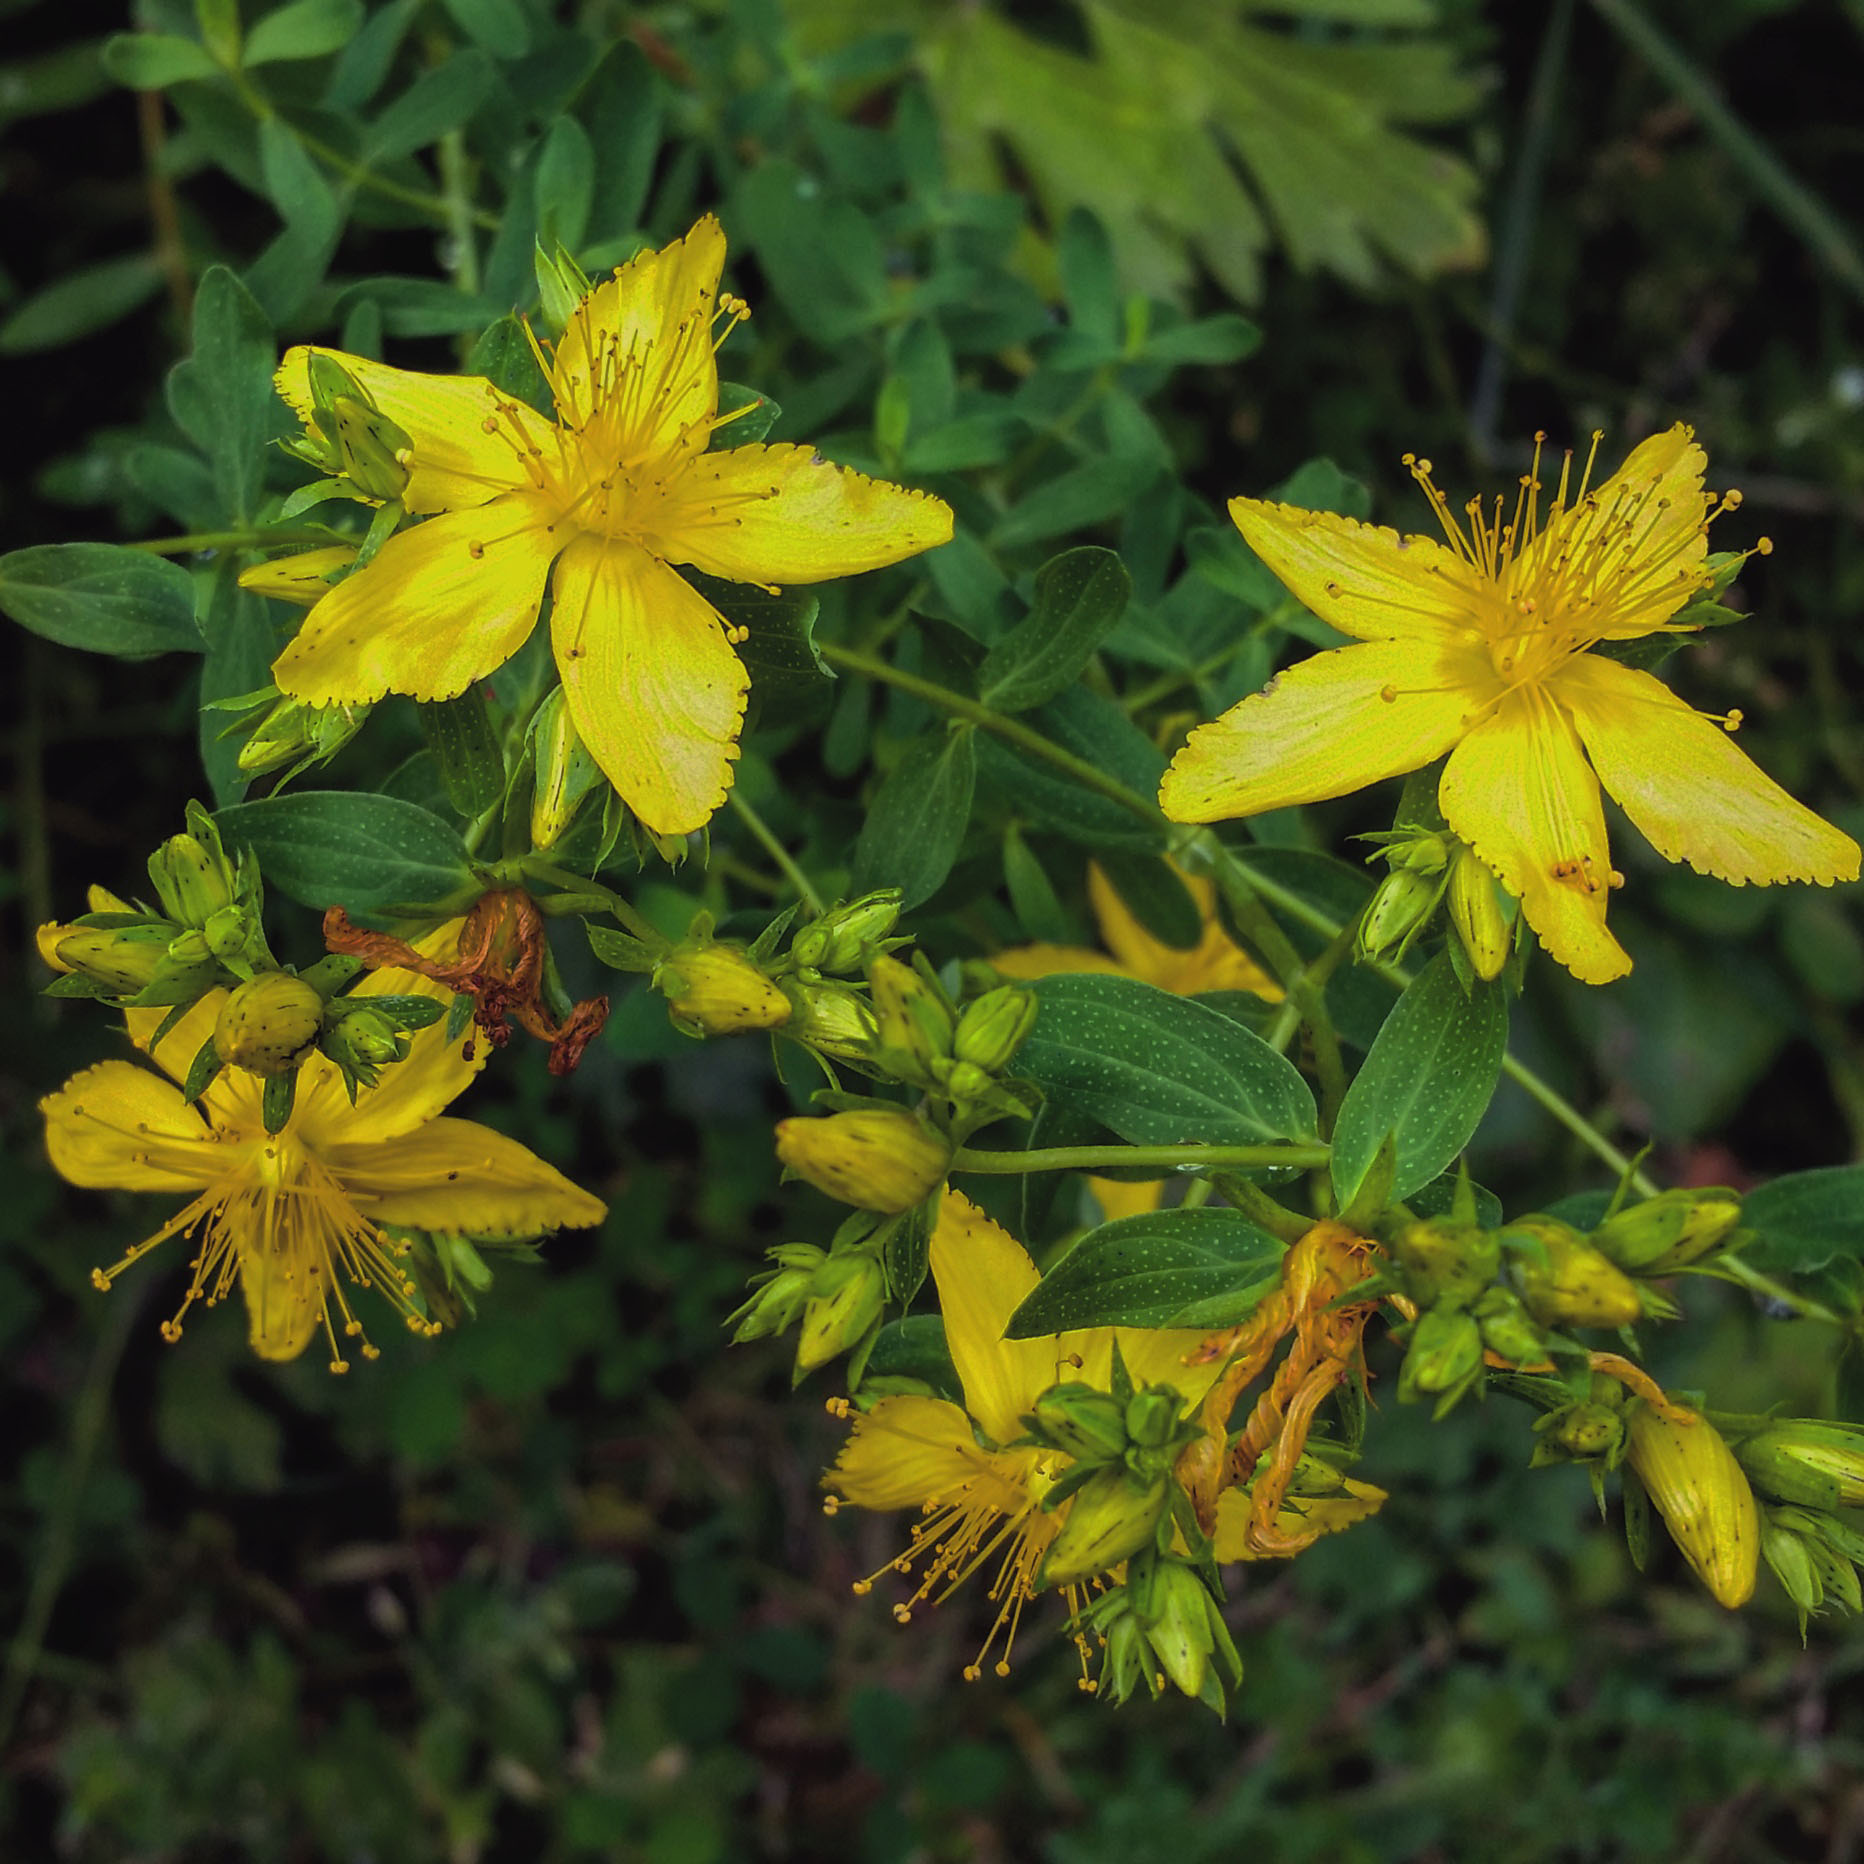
1215, 962
1300, 1515
290, 1216
614, 491
1480, 649
980, 1500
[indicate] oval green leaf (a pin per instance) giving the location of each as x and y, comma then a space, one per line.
104, 598
917, 822
365, 853
1079, 599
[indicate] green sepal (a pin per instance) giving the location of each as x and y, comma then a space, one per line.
275, 1105
201, 1071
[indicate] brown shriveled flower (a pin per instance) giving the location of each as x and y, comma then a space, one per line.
500, 964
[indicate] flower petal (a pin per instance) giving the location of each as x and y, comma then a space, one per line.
285, 1290
456, 464
1690, 790
983, 1276
459, 1175
440, 606
651, 681
905, 1451
1363, 579
1328, 725
118, 1127
1118, 1198
1300, 1514
1029, 962
1215, 962
1156, 1355
1519, 791
639, 352
786, 515
176, 1051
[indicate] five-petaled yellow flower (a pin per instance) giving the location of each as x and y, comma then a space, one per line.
980, 1499
1481, 649
613, 492
291, 1216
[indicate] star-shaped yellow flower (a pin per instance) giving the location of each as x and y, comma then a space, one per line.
613, 492
291, 1216
1480, 648
981, 1500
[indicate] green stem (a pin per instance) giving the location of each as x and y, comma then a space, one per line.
1577, 1124
768, 841
1732, 1268
455, 185
226, 540
1098, 1158
641, 928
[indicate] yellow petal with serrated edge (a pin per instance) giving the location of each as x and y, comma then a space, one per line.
637, 359
786, 515
1300, 1514
458, 1175
285, 1290
118, 1127
1518, 789
651, 681
455, 464
441, 605
905, 1451
1687, 786
1327, 726
1155, 1356
1363, 579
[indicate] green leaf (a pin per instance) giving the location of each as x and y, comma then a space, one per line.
1427, 1081
907, 1252
622, 108
1088, 494
1167, 1268
1158, 1069
563, 184
1033, 898
420, 307
439, 100
242, 643
916, 822
465, 746
504, 356
1079, 599
151, 61
750, 427
283, 277
823, 255
1090, 284
104, 598
1210, 341
54, 81
778, 649
366, 853
222, 397
91, 298
1806, 1220
304, 29
912, 1352
496, 26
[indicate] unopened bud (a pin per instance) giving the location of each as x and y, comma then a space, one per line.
1188, 1637
565, 772
562, 284
1482, 914
1695, 1483
1396, 913
992, 1029
834, 1019
847, 1294
1152, 1417
191, 873
1808, 1461
359, 442
122, 958
1444, 1357
1669, 1231
1089, 1424
1508, 1330
1583, 1432
1564, 1281
874, 1158
303, 579
778, 1295
848, 938
916, 1024
364, 1042
267, 1024
293, 731
715, 990
1110, 1518
1789, 1554
1447, 1262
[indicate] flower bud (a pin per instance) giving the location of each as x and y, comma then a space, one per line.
122, 958
1398, 910
267, 1024
303, 579
1697, 1486
1564, 1281
1805, 1460
992, 1029
562, 284
1508, 1331
191, 874
350, 437
848, 938
1152, 1417
778, 1295
1581, 1433
1446, 1262
874, 1158
1110, 1518
916, 1024
362, 1042
1187, 1635
1482, 915
1669, 1231
833, 1019
715, 990
845, 1302
293, 732
565, 772
1089, 1424
1444, 1357
1789, 1554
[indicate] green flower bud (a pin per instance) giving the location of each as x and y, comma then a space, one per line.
302, 579
1152, 1417
833, 1019
916, 1024
562, 284
1089, 1424
295, 733
992, 1029
362, 1042
777, 1296
1808, 1461
715, 990
1564, 1281
847, 1293
1790, 1556
268, 1024
191, 874
349, 437
124, 958
874, 1158
1444, 1357
1697, 1486
1837, 1575
847, 939
1582, 1432
1445, 1262
1482, 914
231, 932
1508, 1330
1669, 1231
963, 1081
565, 772
1188, 1637
1397, 912
1110, 1518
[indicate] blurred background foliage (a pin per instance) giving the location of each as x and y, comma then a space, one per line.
558, 1587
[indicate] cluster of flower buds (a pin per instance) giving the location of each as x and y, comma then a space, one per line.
1428, 869
207, 932
954, 1055
450, 1267
1163, 1624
